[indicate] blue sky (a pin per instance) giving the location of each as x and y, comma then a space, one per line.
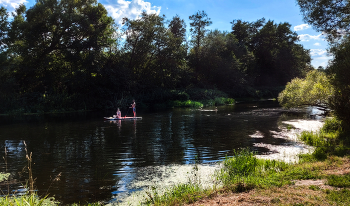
221, 12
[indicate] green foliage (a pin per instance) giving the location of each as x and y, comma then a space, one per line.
82, 63
314, 187
4, 176
339, 69
330, 17
339, 180
312, 138
27, 200
340, 197
205, 94
279, 59
331, 140
200, 21
332, 125
314, 90
244, 171
243, 163
230, 101
187, 103
179, 194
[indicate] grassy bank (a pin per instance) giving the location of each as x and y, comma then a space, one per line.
277, 183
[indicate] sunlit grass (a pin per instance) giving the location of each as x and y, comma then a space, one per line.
187, 103
339, 180
4, 176
27, 200
179, 194
340, 197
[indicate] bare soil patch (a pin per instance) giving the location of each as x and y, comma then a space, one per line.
288, 195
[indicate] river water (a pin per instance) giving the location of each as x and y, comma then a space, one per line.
82, 158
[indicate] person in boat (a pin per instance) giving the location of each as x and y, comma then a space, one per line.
119, 114
133, 106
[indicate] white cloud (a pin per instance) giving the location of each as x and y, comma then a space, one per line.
320, 57
130, 9
321, 61
318, 52
301, 27
317, 44
11, 3
308, 37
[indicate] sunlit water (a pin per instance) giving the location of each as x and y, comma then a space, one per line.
118, 161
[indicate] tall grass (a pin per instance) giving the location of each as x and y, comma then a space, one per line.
244, 171
330, 140
31, 198
27, 200
177, 195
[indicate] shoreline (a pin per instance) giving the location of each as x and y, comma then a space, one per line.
169, 176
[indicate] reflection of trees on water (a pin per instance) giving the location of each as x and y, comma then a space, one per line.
81, 152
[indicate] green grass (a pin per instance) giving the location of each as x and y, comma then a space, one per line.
179, 194
27, 200
239, 173
187, 103
340, 197
339, 180
244, 169
330, 140
34, 200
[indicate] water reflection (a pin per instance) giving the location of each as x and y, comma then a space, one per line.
99, 160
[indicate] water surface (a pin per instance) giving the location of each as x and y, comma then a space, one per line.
97, 160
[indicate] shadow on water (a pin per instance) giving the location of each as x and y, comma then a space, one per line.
100, 160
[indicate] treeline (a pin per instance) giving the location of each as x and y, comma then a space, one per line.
71, 55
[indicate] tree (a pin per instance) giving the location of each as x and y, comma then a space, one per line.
144, 41
329, 16
219, 64
3, 37
57, 47
244, 31
156, 54
177, 27
279, 57
333, 18
200, 21
3, 29
314, 90
339, 69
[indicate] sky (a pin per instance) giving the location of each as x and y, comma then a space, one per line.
221, 12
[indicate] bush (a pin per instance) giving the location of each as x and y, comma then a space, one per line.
244, 171
332, 125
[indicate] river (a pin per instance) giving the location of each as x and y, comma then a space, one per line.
82, 158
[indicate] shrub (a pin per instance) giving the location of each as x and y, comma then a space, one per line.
332, 125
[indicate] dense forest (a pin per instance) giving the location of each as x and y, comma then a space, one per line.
70, 55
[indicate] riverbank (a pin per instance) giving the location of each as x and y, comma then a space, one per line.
187, 171
248, 181
202, 179
319, 191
